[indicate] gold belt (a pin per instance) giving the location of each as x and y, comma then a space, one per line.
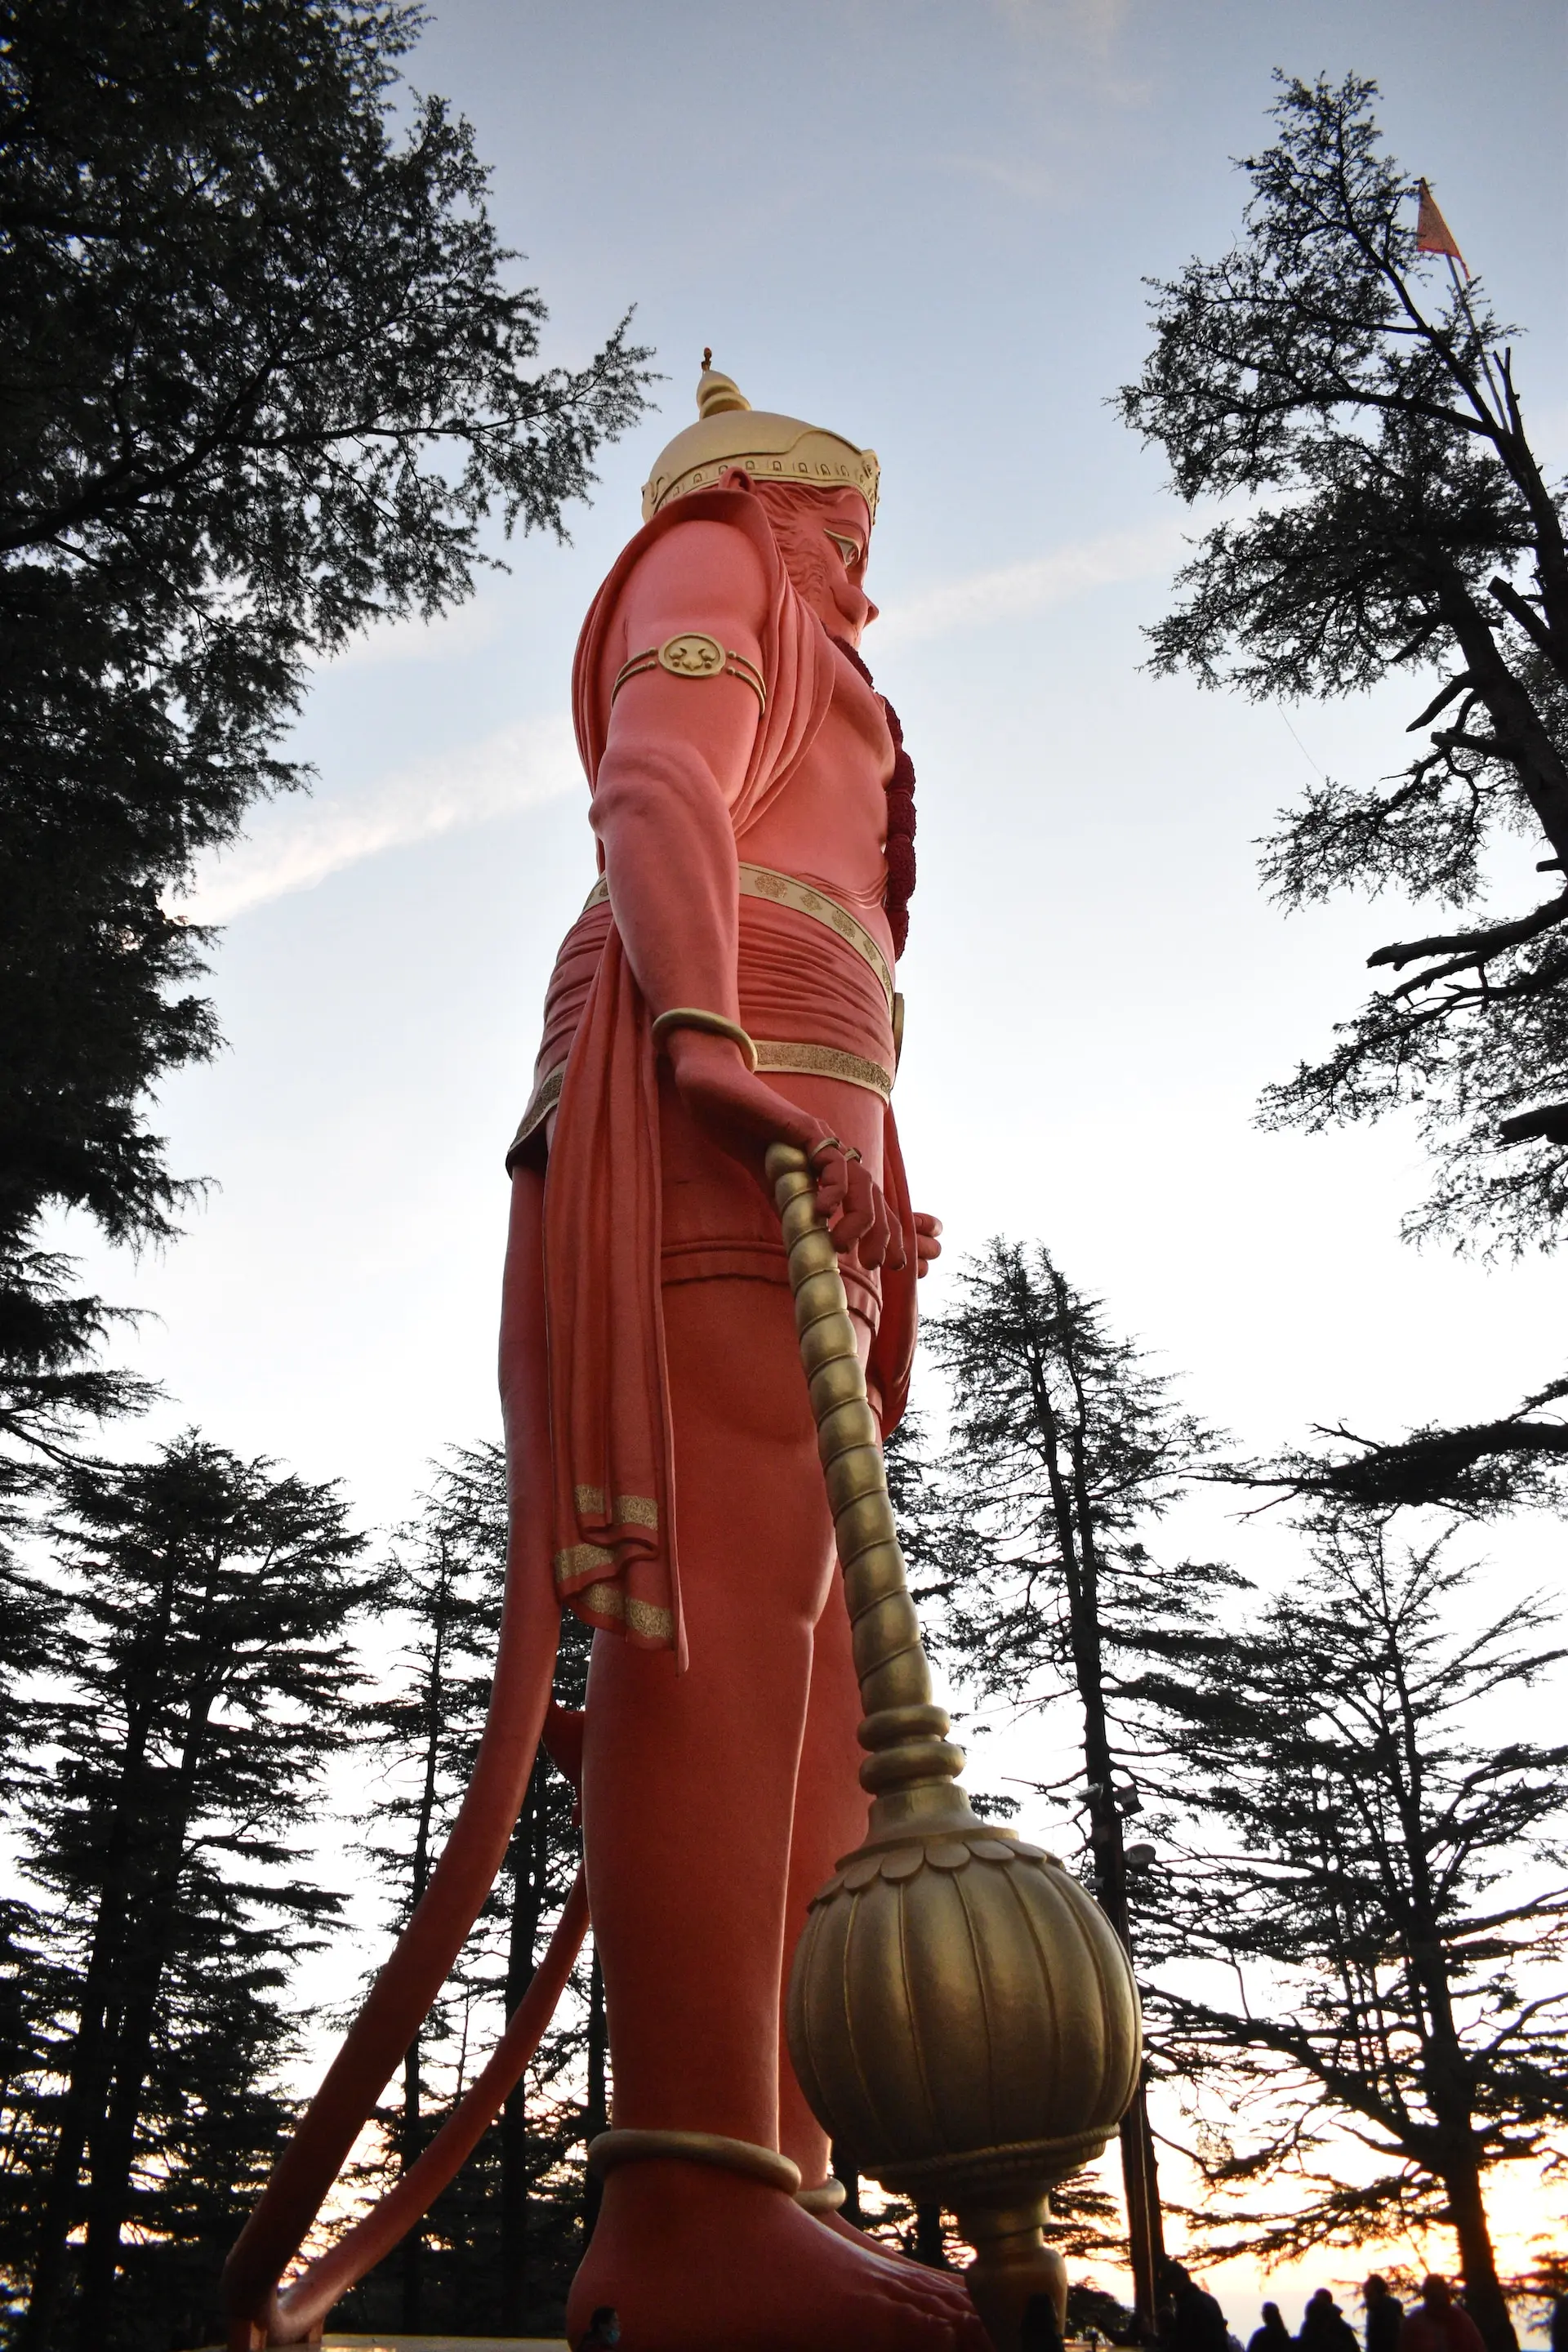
777, 1053
773, 1054
788, 890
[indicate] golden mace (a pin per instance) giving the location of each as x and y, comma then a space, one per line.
962, 2016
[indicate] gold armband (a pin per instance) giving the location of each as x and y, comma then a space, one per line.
693, 653
693, 1016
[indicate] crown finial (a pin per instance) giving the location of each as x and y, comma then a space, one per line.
717, 393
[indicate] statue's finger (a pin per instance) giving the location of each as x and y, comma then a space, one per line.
831, 1185
876, 1247
860, 1209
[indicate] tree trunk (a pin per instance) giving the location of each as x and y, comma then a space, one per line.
1484, 2297
81, 2109
1145, 2234
150, 1934
112, 2152
411, 2255
1072, 1511
1446, 2072
89, 2072
597, 2117
1540, 766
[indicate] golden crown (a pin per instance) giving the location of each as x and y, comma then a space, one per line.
730, 432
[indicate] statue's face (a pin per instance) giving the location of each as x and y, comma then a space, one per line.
824, 539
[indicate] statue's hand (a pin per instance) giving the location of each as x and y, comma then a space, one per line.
743, 1115
928, 1242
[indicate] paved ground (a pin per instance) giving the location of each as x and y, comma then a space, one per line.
443, 2344
440, 2344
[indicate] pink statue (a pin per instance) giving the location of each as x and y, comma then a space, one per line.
729, 985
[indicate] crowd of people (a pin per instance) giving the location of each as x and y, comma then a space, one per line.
1192, 2321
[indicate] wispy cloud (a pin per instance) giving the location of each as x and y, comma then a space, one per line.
514, 768
466, 629
294, 847
1035, 180
1042, 580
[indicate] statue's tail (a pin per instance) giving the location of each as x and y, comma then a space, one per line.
290, 2317
399, 2003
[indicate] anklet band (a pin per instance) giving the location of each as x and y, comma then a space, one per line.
826, 2197
744, 2156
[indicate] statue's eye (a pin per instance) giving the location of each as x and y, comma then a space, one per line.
849, 549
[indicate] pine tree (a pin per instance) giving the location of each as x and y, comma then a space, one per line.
1367, 1929
1064, 1445
207, 1683
263, 376
1409, 526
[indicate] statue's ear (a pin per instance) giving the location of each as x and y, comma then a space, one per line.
737, 479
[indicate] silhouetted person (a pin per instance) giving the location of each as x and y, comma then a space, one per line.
1559, 2334
1273, 2335
1324, 2327
1437, 2324
1196, 2322
1383, 2313
1041, 2329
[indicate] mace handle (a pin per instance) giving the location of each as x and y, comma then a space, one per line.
910, 1764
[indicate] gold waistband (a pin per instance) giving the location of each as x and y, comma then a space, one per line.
775, 1053
787, 890
825, 1061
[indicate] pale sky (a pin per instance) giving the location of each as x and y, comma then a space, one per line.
924, 224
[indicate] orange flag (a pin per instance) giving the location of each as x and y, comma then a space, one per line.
1433, 234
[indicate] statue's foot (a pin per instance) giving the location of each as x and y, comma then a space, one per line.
695, 2260
883, 2252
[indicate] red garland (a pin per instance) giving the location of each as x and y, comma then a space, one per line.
901, 850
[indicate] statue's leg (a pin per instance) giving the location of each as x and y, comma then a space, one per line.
688, 1802
668, 1757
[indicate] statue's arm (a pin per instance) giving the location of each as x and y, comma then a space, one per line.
675, 759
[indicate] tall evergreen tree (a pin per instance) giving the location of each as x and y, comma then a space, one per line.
1368, 1926
263, 376
1402, 523
1064, 1447
206, 1684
